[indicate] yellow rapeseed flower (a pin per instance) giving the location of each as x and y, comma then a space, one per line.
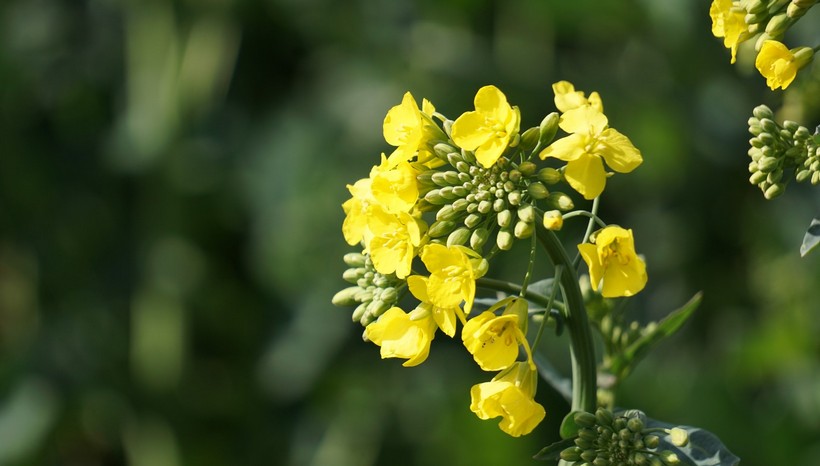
401, 336
729, 24
453, 271
445, 317
510, 395
355, 223
779, 65
567, 98
394, 188
590, 141
493, 340
409, 129
614, 267
395, 238
489, 129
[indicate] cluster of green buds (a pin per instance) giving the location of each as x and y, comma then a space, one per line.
772, 18
473, 203
605, 439
777, 148
372, 292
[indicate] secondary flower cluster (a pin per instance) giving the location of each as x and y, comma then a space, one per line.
451, 189
767, 21
778, 148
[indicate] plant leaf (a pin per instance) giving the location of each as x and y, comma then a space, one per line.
553, 451
812, 238
542, 287
703, 449
621, 364
569, 429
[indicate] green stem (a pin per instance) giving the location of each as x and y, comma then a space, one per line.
593, 215
584, 213
553, 292
513, 289
582, 351
528, 275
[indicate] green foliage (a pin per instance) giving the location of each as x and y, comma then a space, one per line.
812, 238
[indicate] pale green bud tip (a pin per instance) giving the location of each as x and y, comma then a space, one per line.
762, 111
526, 213
537, 190
346, 297
530, 138
548, 128
603, 416
802, 56
458, 237
354, 259
669, 458
504, 240
584, 419
571, 454
527, 168
560, 201
549, 176
523, 230
680, 438
634, 424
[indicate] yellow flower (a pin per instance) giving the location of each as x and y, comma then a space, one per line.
394, 240
493, 340
394, 188
489, 129
453, 271
590, 141
612, 260
553, 220
779, 65
509, 395
402, 336
355, 209
728, 24
567, 98
410, 129
445, 317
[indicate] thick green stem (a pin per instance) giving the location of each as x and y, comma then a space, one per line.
582, 351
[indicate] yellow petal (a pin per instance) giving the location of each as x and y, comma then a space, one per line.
567, 148
618, 151
470, 131
418, 287
402, 125
489, 100
489, 152
589, 252
586, 119
624, 279
586, 175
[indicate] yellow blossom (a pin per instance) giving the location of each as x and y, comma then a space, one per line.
493, 340
394, 240
729, 24
779, 65
489, 129
553, 220
394, 188
613, 265
445, 317
355, 209
567, 98
590, 141
509, 395
402, 336
409, 130
453, 271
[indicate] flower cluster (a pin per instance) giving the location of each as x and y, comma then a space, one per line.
766, 20
776, 149
454, 193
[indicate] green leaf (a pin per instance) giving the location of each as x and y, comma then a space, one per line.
703, 449
569, 429
811, 239
542, 287
622, 364
553, 451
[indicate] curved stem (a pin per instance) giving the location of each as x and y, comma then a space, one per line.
582, 351
593, 215
584, 213
553, 292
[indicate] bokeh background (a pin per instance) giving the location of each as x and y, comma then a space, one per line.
171, 174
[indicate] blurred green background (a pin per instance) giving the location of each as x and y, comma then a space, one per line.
171, 174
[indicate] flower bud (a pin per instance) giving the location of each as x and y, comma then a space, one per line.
584, 419
802, 175
549, 176
530, 138
548, 128
514, 198
478, 238
553, 220
526, 213
458, 237
443, 149
571, 454
346, 297
523, 229
434, 197
499, 205
504, 240
652, 441
762, 111
773, 191
778, 25
441, 228
767, 164
472, 221
669, 458
358, 313
560, 201
527, 168
389, 295
354, 259
485, 207
504, 218
588, 455
537, 190
603, 416
757, 178
599, 461
446, 212
680, 438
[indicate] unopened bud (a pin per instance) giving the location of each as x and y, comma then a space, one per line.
773, 191
560, 201
584, 419
527, 168
778, 25
669, 458
504, 218
530, 138
458, 237
571, 454
354, 259
526, 213
553, 220
441, 228
523, 229
537, 190
346, 297
442, 149
504, 240
603, 417
762, 111
472, 221
548, 128
549, 176
680, 438
478, 238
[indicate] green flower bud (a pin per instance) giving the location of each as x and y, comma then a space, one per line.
655, 462
548, 128
584, 444
353, 275
640, 459
755, 153
765, 139
453, 158
773, 191
584, 419
458, 237
778, 25
767, 164
530, 138
434, 197
774, 176
560, 201
358, 313
515, 176
753, 167
571, 454
652, 441
460, 191
669, 458
526, 213
624, 433
478, 238
460, 205
752, 18
355, 259
346, 297
462, 167
504, 218
527, 168
680, 438
504, 240
603, 417
523, 229
377, 307
446, 212
389, 295
537, 190
514, 198
447, 193
549, 176
634, 424
588, 455
499, 205
601, 461
756, 6
443, 149
485, 207
802, 175
441, 228
761, 111
469, 156
757, 178
768, 125
801, 133
472, 221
